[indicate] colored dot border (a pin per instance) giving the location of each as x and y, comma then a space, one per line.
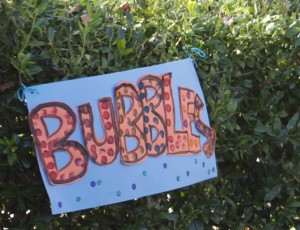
179, 178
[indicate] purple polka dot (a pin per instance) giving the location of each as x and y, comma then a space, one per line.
133, 186
78, 161
157, 148
188, 95
148, 146
146, 109
165, 165
185, 123
141, 85
142, 95
93, 183
203, 164
213, 169
60, 204
162, 134
146, 119
188, 173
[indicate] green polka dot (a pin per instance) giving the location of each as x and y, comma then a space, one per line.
196, 161
208, 172
118, 193
99, 182
178, 178
78, 199
144, 173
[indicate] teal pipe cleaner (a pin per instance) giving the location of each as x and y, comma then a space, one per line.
197, 52
21, 92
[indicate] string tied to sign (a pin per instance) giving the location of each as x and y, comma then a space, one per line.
21, 91
198, 52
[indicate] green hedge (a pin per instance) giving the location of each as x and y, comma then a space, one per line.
251, 83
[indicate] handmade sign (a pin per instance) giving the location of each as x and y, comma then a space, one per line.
111, 138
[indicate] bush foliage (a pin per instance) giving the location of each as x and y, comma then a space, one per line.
250, 80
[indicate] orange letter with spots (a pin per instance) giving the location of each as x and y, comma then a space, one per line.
47, 145
153, 115
209, 146
177, 140
187, 104
102, 152
131, 123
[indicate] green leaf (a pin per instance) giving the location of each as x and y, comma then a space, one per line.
293, 121
297, 42
297, 69
50, 34
170, 216
232, 105
26, 162
21, 202
260, 128
121, 33
196, 225
12, 158
215, 218
273, 192
128, 51
41, 7
36, 43
245, 139
266, 148
292, 31
294, 204
182, 193
248, 213
25, 59
230, 201
240, 63
150, 31
129, 19
104, 62
106, 49
34, 69
95, 22
248, 83
121, 43
294, 140
277, 126
89, 223
205, 218
213, 42
88, 57
40, 22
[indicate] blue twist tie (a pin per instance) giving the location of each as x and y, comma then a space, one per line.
21, 92
198, 52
